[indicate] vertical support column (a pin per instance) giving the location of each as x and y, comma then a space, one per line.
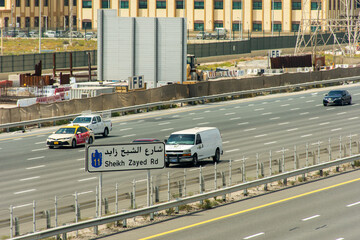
148, 188
230, 177
168, 186
134, 195
257, 166
329, 149
307, 154
215, 176
34, 216
100, 194
270, 161
295, 159
116, 198
184, 182
11, 221
100, 45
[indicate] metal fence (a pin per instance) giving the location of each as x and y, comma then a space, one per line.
172, 190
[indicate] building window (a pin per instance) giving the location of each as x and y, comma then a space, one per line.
27, 22
27, 3
161, 4
74, 2
296, 5
36, 3
313, 28
2, 3
199, 4
142, 4
257, 27
236, 27
179, 4
86, 4
46, 3
219, 4
218, 25
277, 27
199, 26
17, 3
277, 5
86, 25
105, 4
36, 22
237, 5
315, 5
257, 5
74, 21
124, 4
295, 27
66, 2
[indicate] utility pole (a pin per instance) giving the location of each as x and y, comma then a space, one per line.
40, 6
71, 20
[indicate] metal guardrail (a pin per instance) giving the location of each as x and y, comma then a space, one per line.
181, 101
182, 201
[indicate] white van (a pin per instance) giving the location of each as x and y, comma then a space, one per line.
192, 145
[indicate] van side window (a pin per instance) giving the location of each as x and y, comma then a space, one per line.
198, 139
98, 119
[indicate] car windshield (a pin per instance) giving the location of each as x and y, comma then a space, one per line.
182, 139
65, 131
82, 120
335, 93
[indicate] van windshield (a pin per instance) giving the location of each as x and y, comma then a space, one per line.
181, 139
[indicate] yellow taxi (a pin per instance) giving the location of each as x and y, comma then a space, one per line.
70, 136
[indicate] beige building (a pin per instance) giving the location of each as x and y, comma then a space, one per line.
234, 15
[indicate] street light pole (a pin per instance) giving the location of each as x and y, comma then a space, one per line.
272, 19
40, 4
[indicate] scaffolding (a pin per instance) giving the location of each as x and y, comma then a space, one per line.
341, 29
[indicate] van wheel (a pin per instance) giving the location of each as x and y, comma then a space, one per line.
216, 157
73, 143
167, 164
106, 132
195, 161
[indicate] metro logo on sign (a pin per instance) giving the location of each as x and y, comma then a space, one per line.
121, 157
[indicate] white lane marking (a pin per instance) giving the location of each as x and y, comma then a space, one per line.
164, 123
317, 143
40, 166
302, 97
158, 118
353, 118
40, 142
130, 135
79, 159
268, 143
222, 109
262, 135
192, 113
16, 139
207, 111
25, 191
124, 123
226, 142
232, 150
82, 150
203, 123
311, 101
292, 129
25, 205
39, 149
81, 169
318, 105
313, 118
226, 114
280, 151
277, 101
355, 94
86, 179
283, 123
244, 123
251, 104
324, 123
166, 129
198, 118
82, 193
235, 118
340, 239
237, 107
329, 109
309, 218
125, 129
40, 135
353, 204
34, 158
304, 113
284, 105
307, 135
267, 113
249, 129
175, 116
290, 98
341, 113
259, 109
30, 178
255, 235
336, 129
294, 109
274, 118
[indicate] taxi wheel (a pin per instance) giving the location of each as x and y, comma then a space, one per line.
51, 147
73, 143
90, 140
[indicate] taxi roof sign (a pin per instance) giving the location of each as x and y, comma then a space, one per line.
122, 157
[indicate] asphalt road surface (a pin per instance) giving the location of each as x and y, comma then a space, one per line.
30, 171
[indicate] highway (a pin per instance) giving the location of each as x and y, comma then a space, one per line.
30, 171
323, 210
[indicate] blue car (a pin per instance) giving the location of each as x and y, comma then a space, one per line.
337, 97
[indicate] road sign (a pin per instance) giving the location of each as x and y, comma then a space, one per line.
122, 157
274, 53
